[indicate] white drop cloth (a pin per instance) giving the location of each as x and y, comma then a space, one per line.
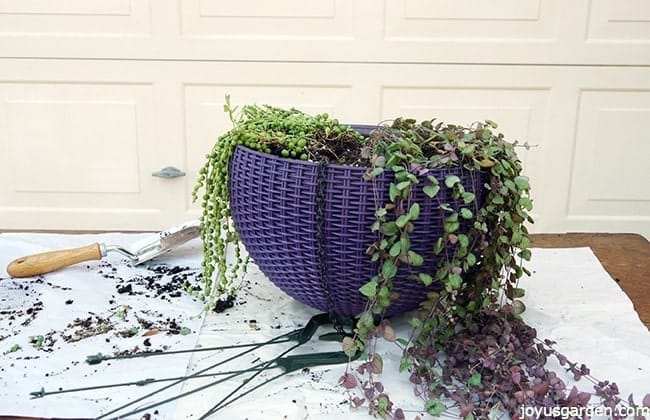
570, 299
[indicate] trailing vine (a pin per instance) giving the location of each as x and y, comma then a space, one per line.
469, 350
281, 132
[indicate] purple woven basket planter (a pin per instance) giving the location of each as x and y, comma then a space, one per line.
274, 205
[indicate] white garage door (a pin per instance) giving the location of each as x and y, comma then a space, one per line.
96, 95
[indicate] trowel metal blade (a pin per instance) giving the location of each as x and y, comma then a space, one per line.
165, 241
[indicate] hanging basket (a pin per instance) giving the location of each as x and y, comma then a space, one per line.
307, 227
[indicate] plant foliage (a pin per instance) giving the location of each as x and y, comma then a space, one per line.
469, 349
282, 132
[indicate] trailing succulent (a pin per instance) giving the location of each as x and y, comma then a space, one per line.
469, 350
282, 132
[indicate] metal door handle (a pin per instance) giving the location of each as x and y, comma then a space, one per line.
168, 172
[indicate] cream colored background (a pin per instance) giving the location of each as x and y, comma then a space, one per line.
95, 95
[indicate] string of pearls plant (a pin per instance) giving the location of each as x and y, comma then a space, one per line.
282, 132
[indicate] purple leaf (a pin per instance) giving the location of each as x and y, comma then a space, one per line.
399, 414
415, 378
466, 410
583, 398
646, 400
540, 388
379, 386
348, 381
516, 377
572, 396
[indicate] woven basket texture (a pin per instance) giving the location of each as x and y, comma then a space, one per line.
273, 202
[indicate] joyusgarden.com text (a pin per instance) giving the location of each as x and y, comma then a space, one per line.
596, 411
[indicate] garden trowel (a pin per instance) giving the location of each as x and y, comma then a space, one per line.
138, 253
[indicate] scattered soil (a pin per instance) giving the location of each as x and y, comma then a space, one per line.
120, 322
222, 305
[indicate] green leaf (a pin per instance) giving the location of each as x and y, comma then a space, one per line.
467, 150
431, 190
403, 185
439, 246
405, 241
518, 292
466, 213
390, 229
366, 319
405, 364
470, 259
185, 331
414, 211
463, 240
395, 249
451, 180
388, 269
381, 212
474, 380
369, 289
454, 280
415, 259
415, 322
393, 192
426, 279
468, 197
522, 183
450, 224
526, 203
402, 220
519, 307
434, 407
525, 254
38, 343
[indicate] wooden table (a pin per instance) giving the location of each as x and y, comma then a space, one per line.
625, 256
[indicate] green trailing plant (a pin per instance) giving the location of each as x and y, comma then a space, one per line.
469, 349
480, 250
479, 242
282, 132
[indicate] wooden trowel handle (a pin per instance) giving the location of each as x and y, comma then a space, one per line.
46, 262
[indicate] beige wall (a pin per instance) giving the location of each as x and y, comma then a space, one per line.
96, 95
